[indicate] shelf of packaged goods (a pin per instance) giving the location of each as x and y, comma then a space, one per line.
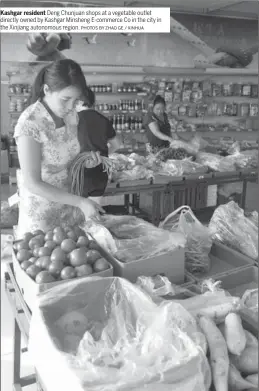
117, 111
129, 93
15, 113
13, 95
235, 99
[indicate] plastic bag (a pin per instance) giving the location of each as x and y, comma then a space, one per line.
136, 173
234, 148
230, 188
136, 239
9, 215
129, 342
250, 300
171, 168
160, 287
230, 226
209, 159
253, 216
180, 167
198, 238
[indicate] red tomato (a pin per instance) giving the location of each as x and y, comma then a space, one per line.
22, 245
68, 245
72, 235
58, 255
49, 235
33, 259
101, 265
23, 255
58, 230
84, 270
56, 267
36, 252
82, 241
44, 251
92, 256
44, 277
59, 237
38, 232
32, 271
45, 262
25, 264
50, 244
27, 236
67, 273
78, 257
37, 241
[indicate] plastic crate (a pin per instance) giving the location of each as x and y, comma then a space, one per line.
238, 281
223, 260
171, 265
238, 253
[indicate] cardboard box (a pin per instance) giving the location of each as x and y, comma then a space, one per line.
171, 265
30, 289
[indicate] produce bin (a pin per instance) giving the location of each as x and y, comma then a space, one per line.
30, 289
237, 282
223, 260
238, 253
171, 265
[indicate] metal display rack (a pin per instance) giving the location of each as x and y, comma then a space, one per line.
167, 192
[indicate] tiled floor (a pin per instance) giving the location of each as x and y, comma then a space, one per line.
7, 318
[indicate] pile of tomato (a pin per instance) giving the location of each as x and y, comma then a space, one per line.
61, 254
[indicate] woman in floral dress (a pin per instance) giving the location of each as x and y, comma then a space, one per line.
46, 137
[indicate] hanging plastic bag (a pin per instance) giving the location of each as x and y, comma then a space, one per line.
198, 238
230, 226
121, 340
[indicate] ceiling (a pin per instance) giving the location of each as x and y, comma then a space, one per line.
226, 8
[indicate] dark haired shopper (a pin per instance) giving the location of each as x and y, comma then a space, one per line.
95, 133
46, 136
157, 126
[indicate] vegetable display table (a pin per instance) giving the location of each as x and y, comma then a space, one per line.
168, 193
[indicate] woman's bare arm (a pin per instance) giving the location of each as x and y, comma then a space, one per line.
156, 132
29, 152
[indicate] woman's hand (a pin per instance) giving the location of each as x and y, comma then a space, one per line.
96, 157
90, 208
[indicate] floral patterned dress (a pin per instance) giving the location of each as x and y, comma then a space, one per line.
59, 146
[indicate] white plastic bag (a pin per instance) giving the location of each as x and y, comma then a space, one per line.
130, 343
198, 238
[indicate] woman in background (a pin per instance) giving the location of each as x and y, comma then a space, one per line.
96, 134
157, 126
46, 136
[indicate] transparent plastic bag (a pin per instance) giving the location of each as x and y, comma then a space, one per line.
120, 340
230, 226
198, 238
171, 168
180, 167
136, 173
136, 239
210, 160
9, 215
250, 300
229, 189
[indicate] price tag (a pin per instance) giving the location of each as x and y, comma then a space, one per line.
13, 200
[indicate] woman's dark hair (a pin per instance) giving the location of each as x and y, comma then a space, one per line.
57, 76
159, 99
88, 98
